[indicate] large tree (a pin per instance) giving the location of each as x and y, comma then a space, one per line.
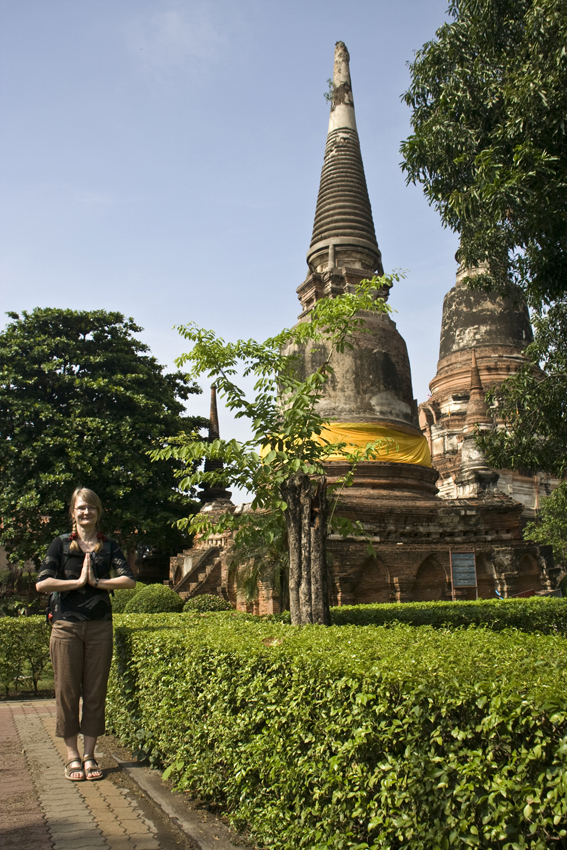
489, 101
283, 463
82, 403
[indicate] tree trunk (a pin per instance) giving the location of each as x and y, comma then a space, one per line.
305, 615
306, 518
290, 495
319, 583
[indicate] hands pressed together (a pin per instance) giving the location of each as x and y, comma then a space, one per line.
87, 573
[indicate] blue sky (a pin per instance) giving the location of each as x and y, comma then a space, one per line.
162, 158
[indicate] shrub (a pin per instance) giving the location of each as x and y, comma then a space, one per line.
154, 599
536, 614
122, 597
346, 737
18, 579
207, 602
24, 650
6, 579
14, 606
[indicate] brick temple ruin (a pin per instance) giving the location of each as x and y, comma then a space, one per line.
433, 498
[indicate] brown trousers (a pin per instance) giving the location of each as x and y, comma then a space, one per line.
81, 654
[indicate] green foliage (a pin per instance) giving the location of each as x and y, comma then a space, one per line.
547, 615
14, 606
260, 555
17, 578
328, 95
207, 602
154, 599
24, 651
122, 597
534, 404
489, 97
81, 403
353, 738
551, 525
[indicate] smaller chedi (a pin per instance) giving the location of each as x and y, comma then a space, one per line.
482, 342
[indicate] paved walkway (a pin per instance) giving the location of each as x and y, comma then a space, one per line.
42, 810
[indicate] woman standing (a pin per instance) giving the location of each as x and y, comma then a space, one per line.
76, 570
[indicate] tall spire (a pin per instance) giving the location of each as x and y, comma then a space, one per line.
342, 103
475, 478
343, 233
214, 431
212, 493
477, 410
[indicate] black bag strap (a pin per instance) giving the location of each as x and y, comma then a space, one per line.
108, 549
66, 553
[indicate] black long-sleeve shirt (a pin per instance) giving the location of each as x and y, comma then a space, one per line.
86, 603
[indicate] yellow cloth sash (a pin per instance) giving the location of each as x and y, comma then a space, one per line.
410, 448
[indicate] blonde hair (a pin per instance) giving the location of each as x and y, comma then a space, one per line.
93, 500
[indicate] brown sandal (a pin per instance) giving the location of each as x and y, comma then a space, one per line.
92, 772
70, 770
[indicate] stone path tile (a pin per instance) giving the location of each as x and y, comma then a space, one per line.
117, 816
21, 820
40, 808
67, 817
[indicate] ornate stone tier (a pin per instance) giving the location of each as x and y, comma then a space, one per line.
476, 319
404, 480
495, 363
372, 381
496, 328
343, 218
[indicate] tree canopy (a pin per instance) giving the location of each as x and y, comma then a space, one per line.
82, 403
489, 101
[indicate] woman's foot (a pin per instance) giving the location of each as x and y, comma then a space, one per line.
92, 770
74, 770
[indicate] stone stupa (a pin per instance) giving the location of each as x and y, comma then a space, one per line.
370, 395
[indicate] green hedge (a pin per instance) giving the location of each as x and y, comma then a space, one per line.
24, 651
384, 738
154, 599
208, 602
122, 597
536, 614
